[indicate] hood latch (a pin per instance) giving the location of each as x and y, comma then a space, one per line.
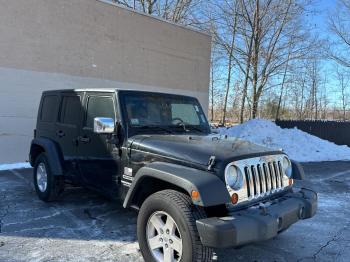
211, 162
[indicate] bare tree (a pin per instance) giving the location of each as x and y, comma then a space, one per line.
261, 54
275, 34
339, 22
272, 34
343, 79
282, 87
177, 11
314, 83
228, 18
212, 81
215, 80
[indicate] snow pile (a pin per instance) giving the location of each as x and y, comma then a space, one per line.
299, 145
14, 166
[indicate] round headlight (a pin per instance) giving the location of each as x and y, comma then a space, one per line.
234, 177
287, 167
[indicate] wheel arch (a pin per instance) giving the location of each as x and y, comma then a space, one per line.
150, 185
53, 153
159, 176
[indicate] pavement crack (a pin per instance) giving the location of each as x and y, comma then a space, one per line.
324, 246
333, 239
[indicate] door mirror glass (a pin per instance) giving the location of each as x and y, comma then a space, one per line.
104, 125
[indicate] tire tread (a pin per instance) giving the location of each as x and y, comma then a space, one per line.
57, 185
192, 213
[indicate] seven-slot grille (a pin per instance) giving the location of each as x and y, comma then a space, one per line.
263, 178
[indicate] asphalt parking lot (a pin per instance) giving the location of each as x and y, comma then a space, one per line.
83, 226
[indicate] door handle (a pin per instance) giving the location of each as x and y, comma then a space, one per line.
84, 139
60, 133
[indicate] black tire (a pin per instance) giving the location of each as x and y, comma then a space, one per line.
55, 184
180, 207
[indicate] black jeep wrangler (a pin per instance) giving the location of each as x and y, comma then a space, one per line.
194, 190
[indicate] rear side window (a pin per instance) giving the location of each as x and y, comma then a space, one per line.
99, 106
48, 108
70, 110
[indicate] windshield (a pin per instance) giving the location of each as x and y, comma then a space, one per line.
170, 113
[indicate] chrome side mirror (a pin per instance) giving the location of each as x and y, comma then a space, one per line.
104, 125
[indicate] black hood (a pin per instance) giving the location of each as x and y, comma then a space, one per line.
198, 149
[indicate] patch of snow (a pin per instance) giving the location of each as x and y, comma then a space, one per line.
299, 146
14, 166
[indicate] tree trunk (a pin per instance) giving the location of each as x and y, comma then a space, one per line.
212, 92
302, 100
245, 87
246, 78
227, 89
256, 59
282, 88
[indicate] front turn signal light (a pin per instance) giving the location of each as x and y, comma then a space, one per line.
234, 198
195, 195
290, 181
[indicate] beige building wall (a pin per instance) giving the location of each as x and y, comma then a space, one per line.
48, 44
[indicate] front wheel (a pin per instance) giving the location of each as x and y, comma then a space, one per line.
167, 231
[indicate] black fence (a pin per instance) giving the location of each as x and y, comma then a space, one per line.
337, 132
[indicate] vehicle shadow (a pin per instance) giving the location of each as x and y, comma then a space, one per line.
78, 214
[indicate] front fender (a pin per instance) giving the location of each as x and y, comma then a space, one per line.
211, 189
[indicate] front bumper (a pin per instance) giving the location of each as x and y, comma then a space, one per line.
259, 222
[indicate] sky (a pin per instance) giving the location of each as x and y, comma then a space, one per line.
321, 8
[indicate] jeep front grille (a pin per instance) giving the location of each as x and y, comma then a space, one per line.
262, 176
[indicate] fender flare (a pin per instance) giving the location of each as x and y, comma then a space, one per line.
212, 191
298, 171
53, 153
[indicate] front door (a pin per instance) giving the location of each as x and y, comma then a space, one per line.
98, 159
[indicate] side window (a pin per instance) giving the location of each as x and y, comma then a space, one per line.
48, 108
99, 106
70, 110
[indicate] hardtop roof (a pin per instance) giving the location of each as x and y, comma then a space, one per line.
110, 90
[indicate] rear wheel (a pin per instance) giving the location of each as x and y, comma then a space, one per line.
167, 231
47, 186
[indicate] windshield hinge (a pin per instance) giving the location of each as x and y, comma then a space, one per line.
211, 162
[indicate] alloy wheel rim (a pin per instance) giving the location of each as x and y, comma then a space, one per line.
163, 237
41, 177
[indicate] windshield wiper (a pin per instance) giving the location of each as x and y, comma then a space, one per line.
189, 128
196, 129
155, 128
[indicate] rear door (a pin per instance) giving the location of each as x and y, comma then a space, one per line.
98, 159
68, 124
47, 115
